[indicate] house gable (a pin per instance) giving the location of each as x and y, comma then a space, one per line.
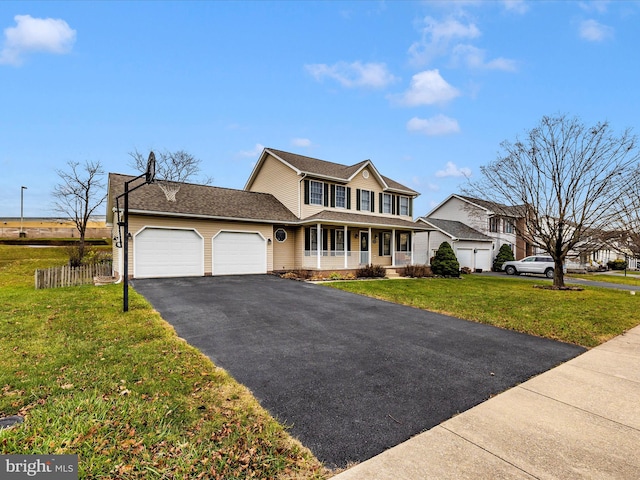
307, 186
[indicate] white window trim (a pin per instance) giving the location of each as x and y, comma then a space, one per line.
311, 193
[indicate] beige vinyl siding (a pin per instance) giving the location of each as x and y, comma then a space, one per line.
206, 228
284, 253
359, 182
456, 209
279, 180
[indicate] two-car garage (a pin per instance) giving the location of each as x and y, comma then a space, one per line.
180, 252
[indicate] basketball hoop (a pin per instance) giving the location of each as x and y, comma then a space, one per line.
150, 174
170, 189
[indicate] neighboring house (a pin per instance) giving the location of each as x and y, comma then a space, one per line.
473, 249
295, 212
498, 222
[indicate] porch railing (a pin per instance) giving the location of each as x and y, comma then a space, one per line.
334, 260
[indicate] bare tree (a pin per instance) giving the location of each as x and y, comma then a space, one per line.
178, 166
566, 179
80, 192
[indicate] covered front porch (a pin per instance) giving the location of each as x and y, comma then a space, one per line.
347, 247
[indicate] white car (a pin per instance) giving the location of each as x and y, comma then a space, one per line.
541, 264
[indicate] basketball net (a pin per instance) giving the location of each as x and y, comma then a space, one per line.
170, 189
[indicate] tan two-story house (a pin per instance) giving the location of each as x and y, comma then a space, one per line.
295, 212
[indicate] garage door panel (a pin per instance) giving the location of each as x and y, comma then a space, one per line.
238, 253
162, 252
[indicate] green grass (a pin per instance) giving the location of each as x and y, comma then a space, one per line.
619, 278
122, 390
588, 318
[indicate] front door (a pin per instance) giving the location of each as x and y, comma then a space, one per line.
364, 248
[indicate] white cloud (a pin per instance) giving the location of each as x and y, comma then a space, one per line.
257, 150
474, 57
452, 170
594, 31
599, 6
301, 142
437, 36
516, 6
434, 126
356, 74
427, 88
30, 35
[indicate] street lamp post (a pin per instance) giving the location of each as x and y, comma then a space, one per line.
22, 189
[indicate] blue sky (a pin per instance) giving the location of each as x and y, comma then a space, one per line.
426, 90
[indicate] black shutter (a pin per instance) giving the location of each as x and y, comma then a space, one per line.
397, 242
348, 239
333, 195
379, 243
307, 238
325, 240
306, 193
411, 207
348, 198
357, 199
380, 199
332, 234
373, 201
393, 204
397, 205
326, 195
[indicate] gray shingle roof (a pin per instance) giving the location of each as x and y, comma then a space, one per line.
315, 166
498, 208
457, 229
359, 219
201, 200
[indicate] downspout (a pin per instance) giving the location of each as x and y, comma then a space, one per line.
300, 196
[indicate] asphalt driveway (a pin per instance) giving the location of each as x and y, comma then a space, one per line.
352, 376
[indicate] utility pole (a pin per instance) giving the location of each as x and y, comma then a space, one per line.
22, 189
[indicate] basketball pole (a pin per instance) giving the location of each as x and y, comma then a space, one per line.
149, 178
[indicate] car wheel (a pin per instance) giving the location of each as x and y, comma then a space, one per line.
549, 272
510, 270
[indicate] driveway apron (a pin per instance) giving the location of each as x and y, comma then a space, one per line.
351, 376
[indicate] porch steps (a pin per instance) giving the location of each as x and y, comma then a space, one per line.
392, 273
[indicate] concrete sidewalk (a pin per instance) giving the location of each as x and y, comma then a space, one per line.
578, 420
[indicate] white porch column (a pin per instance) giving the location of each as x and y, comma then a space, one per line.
346, 242
413, 242
319, 245
370, 243
393, 247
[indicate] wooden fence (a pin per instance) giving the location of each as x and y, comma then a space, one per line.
67, 276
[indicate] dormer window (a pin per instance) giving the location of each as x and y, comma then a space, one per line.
315, 193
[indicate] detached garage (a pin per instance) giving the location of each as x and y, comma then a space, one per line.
168, 252
239, 253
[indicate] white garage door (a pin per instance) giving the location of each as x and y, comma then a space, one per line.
465, 257
165, 252
483, 259
236, 253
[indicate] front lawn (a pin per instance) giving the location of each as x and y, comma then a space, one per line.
588, 318
618, 278
122, 390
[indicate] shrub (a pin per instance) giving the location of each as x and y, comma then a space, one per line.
505, 254
371, 271
417, 271
445, 262
617, 264
335, 276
